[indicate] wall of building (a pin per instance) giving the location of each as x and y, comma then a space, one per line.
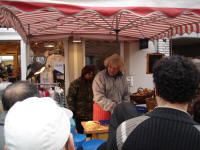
136, 64
9, 34
164, 46
75, 60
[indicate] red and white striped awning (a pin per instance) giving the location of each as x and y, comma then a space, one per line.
134, 19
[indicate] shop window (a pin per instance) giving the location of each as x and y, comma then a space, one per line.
186, 46
50, 56
151, 60
9, 64
97, 51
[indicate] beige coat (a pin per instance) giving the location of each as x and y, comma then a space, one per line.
109, 91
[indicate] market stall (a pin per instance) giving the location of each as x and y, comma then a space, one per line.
47, 20
135, 19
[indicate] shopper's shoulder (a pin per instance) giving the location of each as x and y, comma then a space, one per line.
131, 124
126, 128
101, 74
134, 122
2, 117
76, 82
139, 118
197, 126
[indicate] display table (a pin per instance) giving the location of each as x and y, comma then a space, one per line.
97, 130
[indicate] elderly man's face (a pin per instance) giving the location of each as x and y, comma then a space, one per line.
113, 70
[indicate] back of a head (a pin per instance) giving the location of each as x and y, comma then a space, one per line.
18, 91
176, 79
36, 124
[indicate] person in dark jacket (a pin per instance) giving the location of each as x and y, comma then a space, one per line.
168, 126
33, 67
80, 97
121, 113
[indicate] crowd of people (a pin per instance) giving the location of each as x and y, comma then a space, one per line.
30, 122
169, 126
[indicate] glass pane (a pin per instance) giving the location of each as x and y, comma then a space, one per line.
97, 51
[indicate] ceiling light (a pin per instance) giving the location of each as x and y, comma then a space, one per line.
49, 44
76, 39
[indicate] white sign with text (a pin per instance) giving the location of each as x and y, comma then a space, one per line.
58, 65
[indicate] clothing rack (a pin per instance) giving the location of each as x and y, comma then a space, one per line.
54, 84
59, 97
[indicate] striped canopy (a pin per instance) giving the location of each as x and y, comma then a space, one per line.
130, 19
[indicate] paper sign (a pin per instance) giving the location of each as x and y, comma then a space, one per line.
58, 65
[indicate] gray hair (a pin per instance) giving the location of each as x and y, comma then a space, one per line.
114, 60
18, 91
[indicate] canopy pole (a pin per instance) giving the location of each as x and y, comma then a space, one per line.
28, 47
170, 51
28, 34
117, 35
117, 30
170, 44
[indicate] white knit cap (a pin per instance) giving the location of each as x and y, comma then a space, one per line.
36, 124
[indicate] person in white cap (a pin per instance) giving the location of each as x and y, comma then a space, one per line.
15, 92
37, 124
